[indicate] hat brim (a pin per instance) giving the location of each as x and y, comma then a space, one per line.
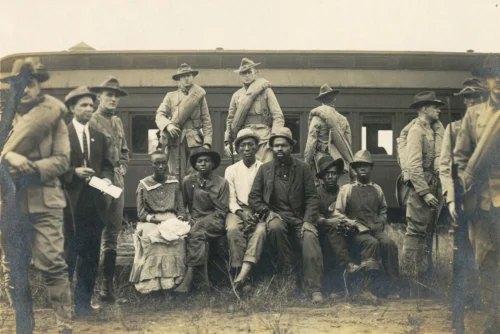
486, 72
40, 76
71, 100
322, 95
120, 92
471, 91
416, 105
214, 155
177, 76
338, 162
273, 137
238, 140
247, 67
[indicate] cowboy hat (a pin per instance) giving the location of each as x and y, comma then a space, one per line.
425, 98
246, 64
282, 133
184, 69
491, 67
326, 90
362, 156
111, 84
77, 93
244, 134
33, 65
205, 152
326, 162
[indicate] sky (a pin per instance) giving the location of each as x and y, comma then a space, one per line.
383, 25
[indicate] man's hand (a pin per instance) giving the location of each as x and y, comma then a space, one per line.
20, 163
248, 220
121, 170
453, 211
308, 227
84, 172
173, 131
227, 150
431, 200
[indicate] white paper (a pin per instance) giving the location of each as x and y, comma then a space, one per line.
106, 188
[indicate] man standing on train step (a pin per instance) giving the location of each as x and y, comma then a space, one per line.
477, 156
183, 119
253, 106
329, 131
105, 121
422, 152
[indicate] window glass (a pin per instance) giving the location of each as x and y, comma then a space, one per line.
293, 123
377, 134
144, 138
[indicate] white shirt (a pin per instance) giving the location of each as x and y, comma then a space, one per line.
240, 179
80, 128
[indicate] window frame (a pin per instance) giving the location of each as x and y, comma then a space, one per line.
391, 115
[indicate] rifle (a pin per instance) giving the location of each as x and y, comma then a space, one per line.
231, 146
460, 235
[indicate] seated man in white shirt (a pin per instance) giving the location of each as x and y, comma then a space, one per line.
245, 235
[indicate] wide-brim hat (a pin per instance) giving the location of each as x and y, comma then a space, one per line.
472, 86
362, 156
491, 67
282, 133
326, 90
244, 134
246, 64
78, 93
112, 84
202, 152
326, 162
425, 98
184, 69
31, 66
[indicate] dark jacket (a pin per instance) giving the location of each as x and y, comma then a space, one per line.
302, 193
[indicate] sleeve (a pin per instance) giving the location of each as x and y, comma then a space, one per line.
185, 186
438, 143
311, 197
275, 109
124, 151
312, 138
445, 166
256, 196
230, 117
224, 200
382, 205
464, 146
233, 201
341, 204
163, 114
347, 132
55, 165
414, 162
142, 212
179, 202
206, 123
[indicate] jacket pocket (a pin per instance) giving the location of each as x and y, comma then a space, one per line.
53, 196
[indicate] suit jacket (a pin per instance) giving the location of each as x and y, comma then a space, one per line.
302, 193
100, 162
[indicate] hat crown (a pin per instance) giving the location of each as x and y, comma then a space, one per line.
285, 132
245, 132
30, 64
184, 68
363, 156
79, 91
246, 62
324, 162
325, 89
472, 82
425, 96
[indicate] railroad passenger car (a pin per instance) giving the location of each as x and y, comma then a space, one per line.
377, 88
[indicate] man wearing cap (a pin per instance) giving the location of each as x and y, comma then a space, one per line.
253, 106
245, 235
364, 202
206, 196
421, 159
284, 195
477, 157
89, 157
32, 221
105, 121
183, 117
329, 131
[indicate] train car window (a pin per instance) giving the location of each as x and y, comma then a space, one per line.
377, 134
293, 123
144, 130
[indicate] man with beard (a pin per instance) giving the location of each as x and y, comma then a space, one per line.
183, 119
105, 121
422, 162
32, 218
284, 195
206, 196
245, 235
477, 157
253, 106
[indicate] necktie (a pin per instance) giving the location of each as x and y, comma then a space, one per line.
85, 148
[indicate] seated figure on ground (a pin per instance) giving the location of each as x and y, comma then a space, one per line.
159, 262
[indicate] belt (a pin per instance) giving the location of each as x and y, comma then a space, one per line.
253, 119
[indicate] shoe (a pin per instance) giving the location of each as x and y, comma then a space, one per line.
317, 297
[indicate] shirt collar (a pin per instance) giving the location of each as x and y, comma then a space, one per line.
255, 165
79, 127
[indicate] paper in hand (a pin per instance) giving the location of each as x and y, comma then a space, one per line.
106, 188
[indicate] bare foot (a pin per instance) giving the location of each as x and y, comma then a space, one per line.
245, 270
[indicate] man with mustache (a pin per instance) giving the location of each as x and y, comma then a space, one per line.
477, 156
105, 121
284, 195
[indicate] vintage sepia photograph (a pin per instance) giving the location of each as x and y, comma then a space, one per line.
283, 167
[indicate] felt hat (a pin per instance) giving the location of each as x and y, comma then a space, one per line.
326, 90
425, 98
246, 64
326, 162
491, 67
472, 86
112, 84
362, 156
203, 152
244, 134
30, 66
184, 69
282, 133
77, 93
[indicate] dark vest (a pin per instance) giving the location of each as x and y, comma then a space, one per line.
363, 206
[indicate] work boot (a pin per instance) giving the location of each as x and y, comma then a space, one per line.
107, 294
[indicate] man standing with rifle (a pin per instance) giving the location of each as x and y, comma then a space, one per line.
477, 155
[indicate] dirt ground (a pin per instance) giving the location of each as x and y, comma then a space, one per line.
404, 316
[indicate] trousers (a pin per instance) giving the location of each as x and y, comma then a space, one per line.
113, 224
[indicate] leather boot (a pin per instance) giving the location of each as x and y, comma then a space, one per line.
107, 292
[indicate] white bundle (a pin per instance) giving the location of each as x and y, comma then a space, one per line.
173, 229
